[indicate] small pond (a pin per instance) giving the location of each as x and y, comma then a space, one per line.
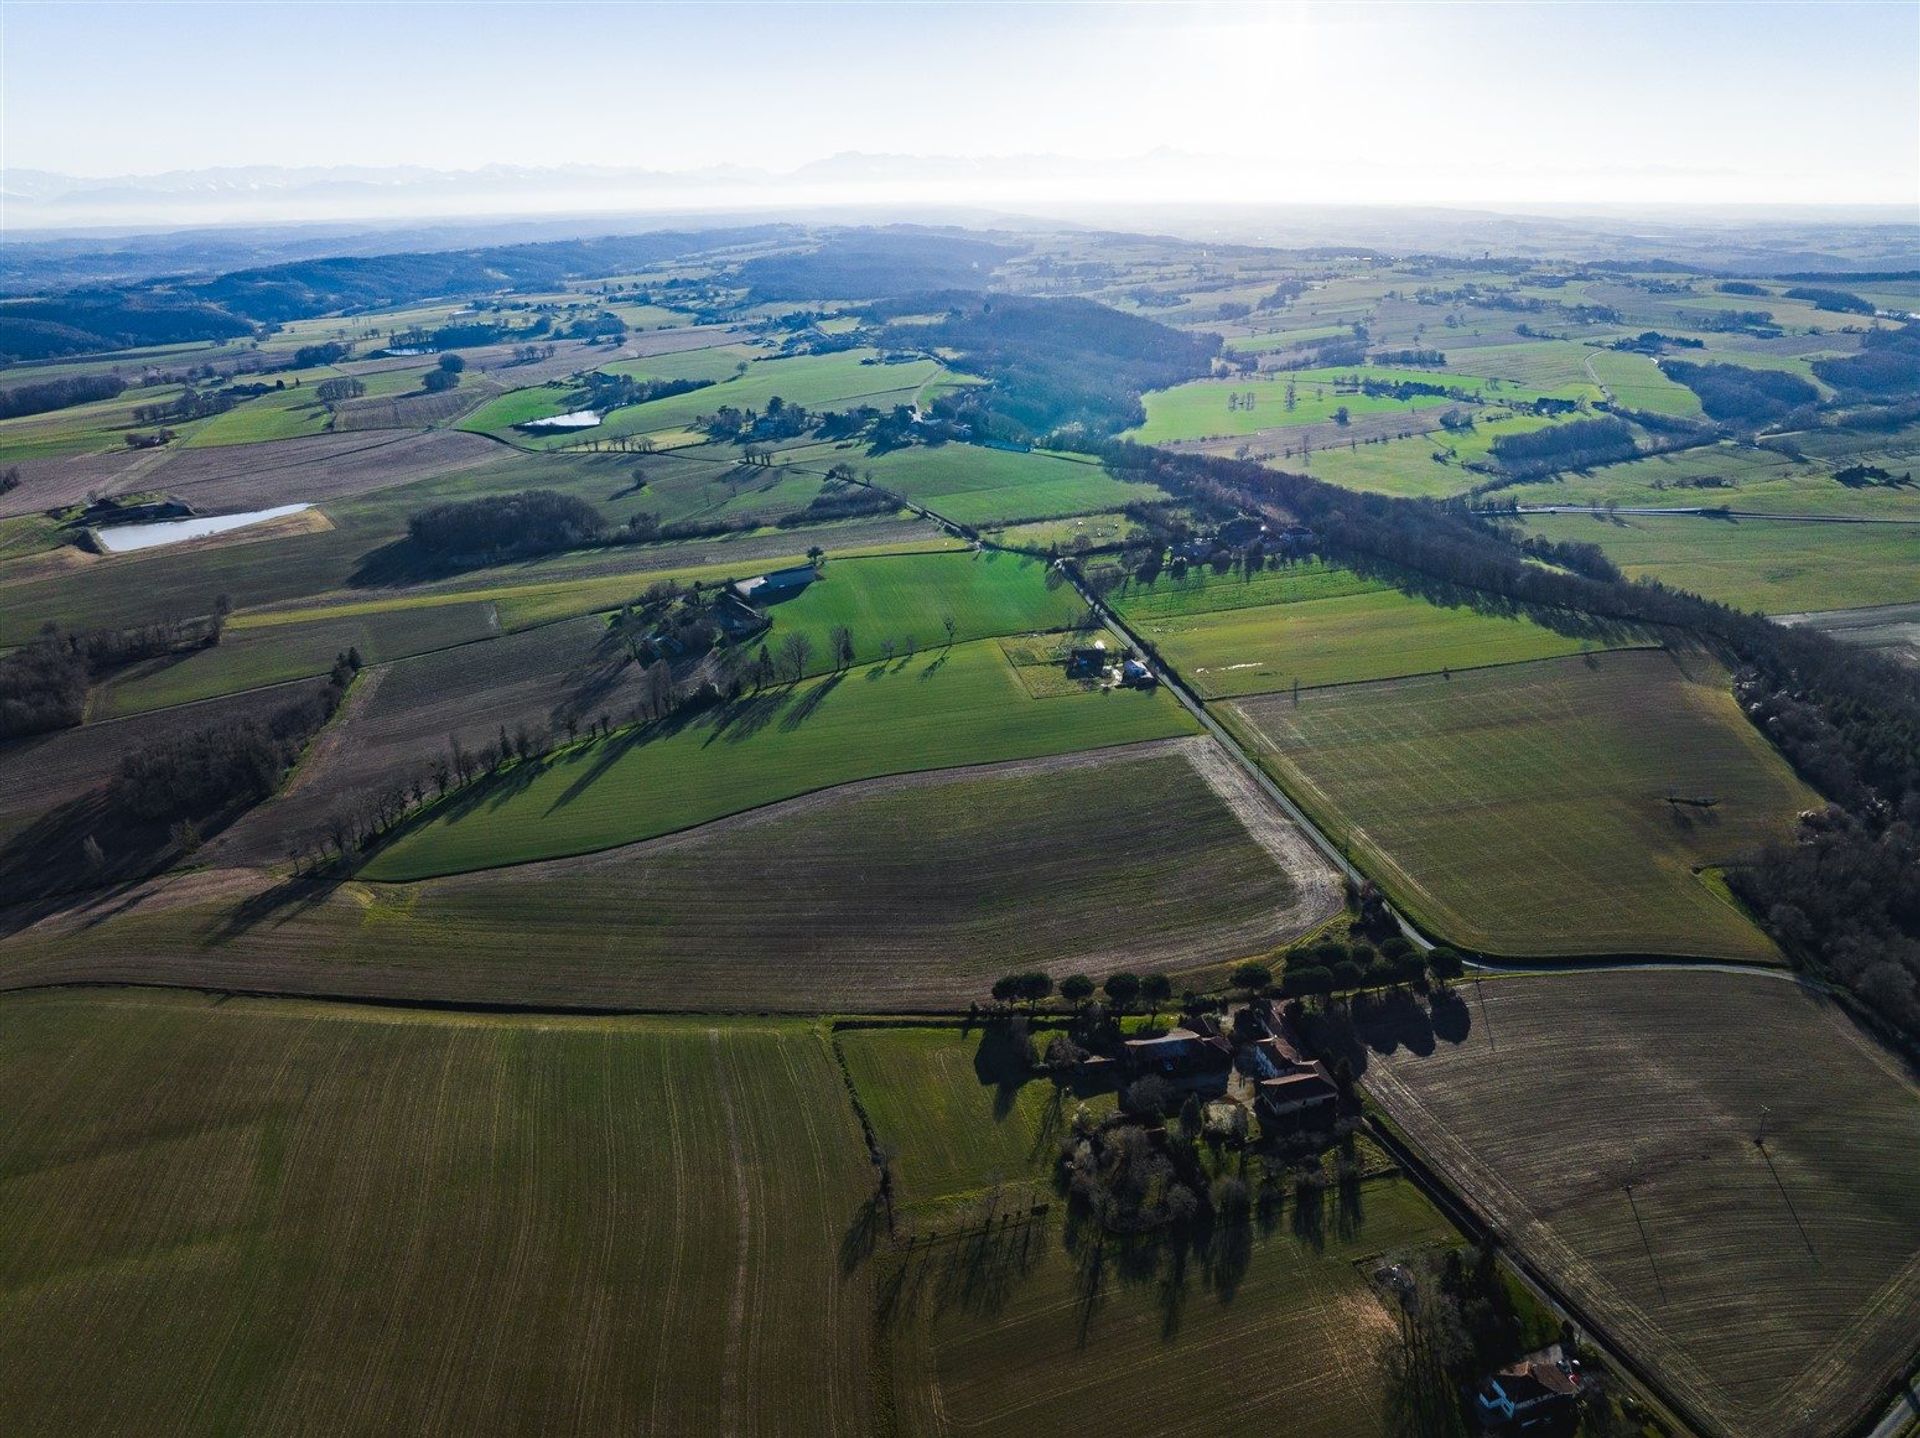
579, 419
120, 538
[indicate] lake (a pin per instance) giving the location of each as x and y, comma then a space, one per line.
120, 538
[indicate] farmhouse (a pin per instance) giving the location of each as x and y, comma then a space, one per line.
1178, 1051
775, 584
1303, 1098
1135, 675
1538, 1390
736, 617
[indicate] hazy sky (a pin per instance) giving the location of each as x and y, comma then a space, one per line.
1389, 103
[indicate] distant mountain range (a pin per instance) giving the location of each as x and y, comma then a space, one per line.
65, 229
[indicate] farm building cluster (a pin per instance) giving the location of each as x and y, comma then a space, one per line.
1251, 1064
1097, 663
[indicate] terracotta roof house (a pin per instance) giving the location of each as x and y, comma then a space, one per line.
1304, 1097
1539, 1390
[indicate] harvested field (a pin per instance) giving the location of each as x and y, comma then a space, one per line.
410, 411
421, 1223
1607, 1122
1030, 1328
1559, 807
401, 716
248, 657
313, 470
1892, 630
896, 893
934, 710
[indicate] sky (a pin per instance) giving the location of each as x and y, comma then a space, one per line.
1467, 103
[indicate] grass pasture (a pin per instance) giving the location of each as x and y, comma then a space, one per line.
1202, 590
910, 596
1035, 1329
1770, 565
1742, 477
1636, 382
895, 894
936, 709
1378, 633
1525, 810
438, 1224
958, 1109
1774, 1290
1424, 466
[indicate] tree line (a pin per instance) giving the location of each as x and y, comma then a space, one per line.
1575, 445
505, 526
43, 686
229, 765
53, 394
1848, 720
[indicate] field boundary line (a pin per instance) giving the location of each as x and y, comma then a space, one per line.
686, 829
1431, 673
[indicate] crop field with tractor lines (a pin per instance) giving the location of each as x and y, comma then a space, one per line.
895, 893
427, 1223
1720, 1168
1554, 808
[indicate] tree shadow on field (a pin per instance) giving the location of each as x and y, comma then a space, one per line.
863, 1233
1452, 1019
1349, 1209
978, 1271
1393, 1021
742, 718
1050, 1124
612, 750
1003, 1062
276, 904
1568, 623
1310, 1215
810, 702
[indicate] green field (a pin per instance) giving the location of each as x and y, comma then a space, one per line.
1433, 465
1378, 634
817, 382
960, 1110
1744, 477
1525, 810
1202, 590
939, 708
1198, 410
897, 894
275, 1217
907, 598
1774, 1290
1025, 1330
1636, 382
1772, 566
972, 484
